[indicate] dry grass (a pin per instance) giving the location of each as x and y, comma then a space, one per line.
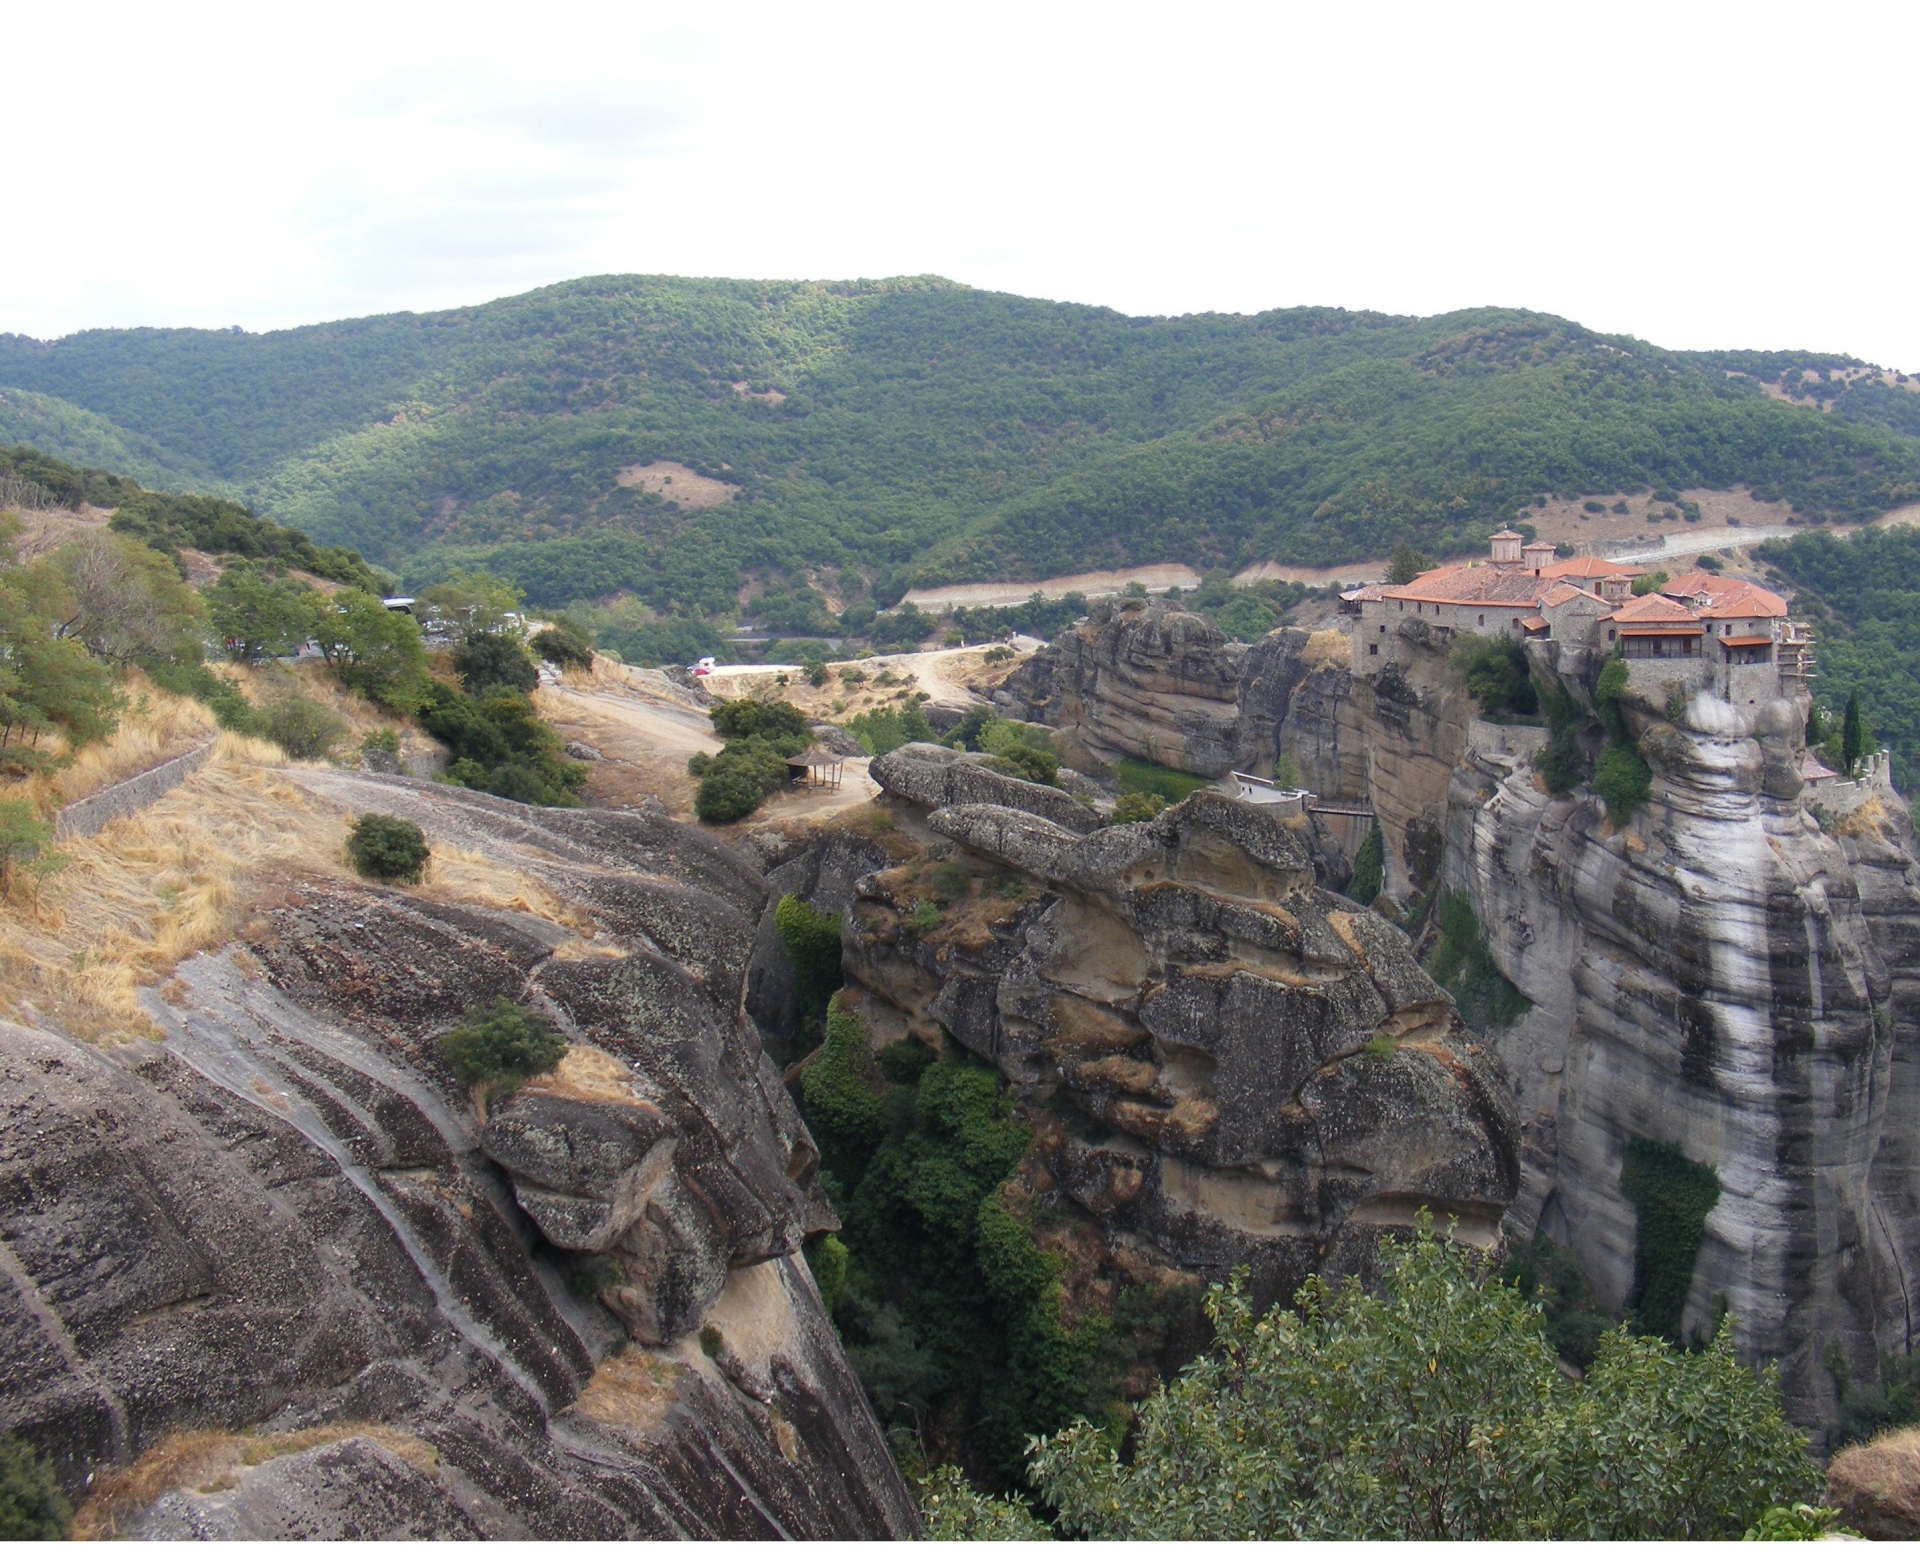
155, 727
150, 889
207, 1461
462, 877
1876, 1485
1327, 649
79, 947
632, 1390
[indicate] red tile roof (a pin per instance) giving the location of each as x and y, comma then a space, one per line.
1591, 567
1656, 615
1727, 599
1497, 585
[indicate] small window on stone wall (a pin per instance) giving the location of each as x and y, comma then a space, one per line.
1373, 649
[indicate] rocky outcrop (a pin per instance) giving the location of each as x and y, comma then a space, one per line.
1721, 975
1713, 976
1241, 1068
579, 1311
1876, 1487
1135, 679
1159, 684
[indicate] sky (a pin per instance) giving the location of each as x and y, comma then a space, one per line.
1697, 175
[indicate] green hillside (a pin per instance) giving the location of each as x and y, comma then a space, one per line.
927, 432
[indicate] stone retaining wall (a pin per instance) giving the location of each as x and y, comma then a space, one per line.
90, 815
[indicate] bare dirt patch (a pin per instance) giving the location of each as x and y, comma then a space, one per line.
677, 483
746, 390
644, 743
1722, 514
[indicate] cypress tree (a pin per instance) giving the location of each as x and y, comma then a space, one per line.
1850, 735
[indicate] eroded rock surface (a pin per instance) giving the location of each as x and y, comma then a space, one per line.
585, 1304
1136, 679
1243, 1069
1715, 976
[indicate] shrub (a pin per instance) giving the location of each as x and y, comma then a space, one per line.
727, 795
771, 720
1026, 763
1369, 868
500, 1044
811, 941
23, 841
1432, 1409
566, 644
827, 1260
32, 1507
390, 849
1133, 775
1621, 777
1497, 675
885, 728
922, 919
837, 1092
1136, 807
304, 728
383, 740
1462, 962
1671, 1198
494, 660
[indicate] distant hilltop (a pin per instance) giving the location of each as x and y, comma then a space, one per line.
683, 441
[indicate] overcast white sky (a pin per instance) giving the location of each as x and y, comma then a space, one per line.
1697, 175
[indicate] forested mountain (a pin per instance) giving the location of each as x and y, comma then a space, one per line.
917, 429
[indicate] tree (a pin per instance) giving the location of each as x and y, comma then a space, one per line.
472, 603
1433, 1409
494, 661
1407, 563
374, 649
258, 616
1850, 739
125, 603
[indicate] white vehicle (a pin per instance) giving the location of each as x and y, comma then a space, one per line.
706, 665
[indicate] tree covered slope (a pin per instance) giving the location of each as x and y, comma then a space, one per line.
916, 429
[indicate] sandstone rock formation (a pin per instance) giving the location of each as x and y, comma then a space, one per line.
1707, 977
1241, 1068
1723, 975
1135, 679
581, 1313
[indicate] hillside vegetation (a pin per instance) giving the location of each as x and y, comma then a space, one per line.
870, 434
1863, 595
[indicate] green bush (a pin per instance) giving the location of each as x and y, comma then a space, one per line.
1369, 868
839, 1094
1136, 807
1462, 962
304, 728
1622, 778
1133, 775
827, 1260
565, 643
382, 741
1497, 675
1671, 1197
500, 1044
494, 660
885, 728
771, 720
1024, 762
500, 745
923, 918
390, 849
811, 941
32, 1507
1432, 1409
